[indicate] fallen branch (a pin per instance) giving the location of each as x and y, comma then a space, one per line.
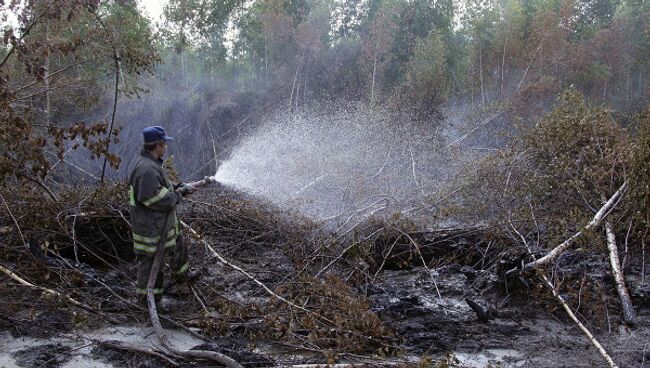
594, 223
343, 365
539, 47
49, 191
80, 169
584, 329
483, 123
122, 346
295, 78
424, 264
343, 253
158, 262
240, 270
383, 262
415, 178
196, 296
138, 307
259, 283
45, 290
566, 307
74, 238
22, 237
355, 213
629, 315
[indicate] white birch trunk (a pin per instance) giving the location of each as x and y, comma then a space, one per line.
374, 71
629, 315
594, 223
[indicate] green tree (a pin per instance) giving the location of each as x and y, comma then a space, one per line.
426, 72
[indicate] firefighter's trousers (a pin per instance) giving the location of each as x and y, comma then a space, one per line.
177, 263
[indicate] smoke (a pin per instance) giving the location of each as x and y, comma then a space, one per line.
340, 162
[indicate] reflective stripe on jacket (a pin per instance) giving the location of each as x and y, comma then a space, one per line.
151, 197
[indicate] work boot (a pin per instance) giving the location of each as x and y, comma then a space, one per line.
187, 277
163, 308
192, 275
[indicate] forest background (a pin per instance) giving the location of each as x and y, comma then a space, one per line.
213, 66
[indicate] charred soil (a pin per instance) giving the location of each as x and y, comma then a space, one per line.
387, 293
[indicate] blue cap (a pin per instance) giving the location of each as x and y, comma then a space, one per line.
154, 134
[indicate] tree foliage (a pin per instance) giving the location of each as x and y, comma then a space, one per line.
55, 71
554, 178
524, 51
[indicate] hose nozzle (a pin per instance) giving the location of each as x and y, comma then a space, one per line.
210, 179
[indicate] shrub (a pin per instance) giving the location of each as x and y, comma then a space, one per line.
558, 173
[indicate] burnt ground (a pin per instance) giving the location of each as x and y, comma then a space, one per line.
526, 329
525, 334
520, 333
378, 304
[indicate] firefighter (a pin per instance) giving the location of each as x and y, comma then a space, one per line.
151, 198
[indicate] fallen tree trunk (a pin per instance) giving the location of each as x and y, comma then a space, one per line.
594, 223
629, 315
155, 320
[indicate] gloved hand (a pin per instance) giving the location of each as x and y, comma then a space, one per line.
185, 189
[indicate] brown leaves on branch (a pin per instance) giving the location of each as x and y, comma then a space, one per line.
640, 172
55, 66
91, 139
341, 320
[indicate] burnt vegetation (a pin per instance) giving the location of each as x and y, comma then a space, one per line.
516, 182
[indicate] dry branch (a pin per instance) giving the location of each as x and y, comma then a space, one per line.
49, 191
343, 253
629, 315
483, 123
383, 262
239, 269
566, 307
344, 365
594, 223
295, 77
45, 290
123, 346
424, 264
24, 34
53, 74
539, 47
584, 329
118, 71
136, 306
274, 295
22, 237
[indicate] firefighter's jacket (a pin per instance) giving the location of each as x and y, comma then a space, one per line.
151, 197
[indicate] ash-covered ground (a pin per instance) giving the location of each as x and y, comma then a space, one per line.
386, 294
